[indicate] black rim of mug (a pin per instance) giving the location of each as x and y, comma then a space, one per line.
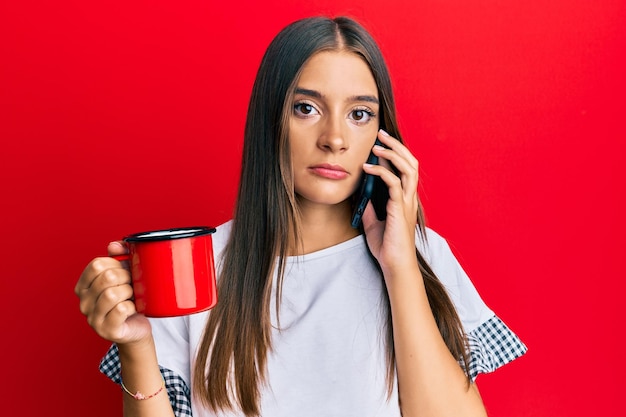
170, 234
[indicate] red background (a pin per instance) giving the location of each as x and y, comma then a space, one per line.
119, 116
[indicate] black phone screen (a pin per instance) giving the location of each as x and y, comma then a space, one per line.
372, 189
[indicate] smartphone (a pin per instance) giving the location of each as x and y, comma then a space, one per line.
372, 189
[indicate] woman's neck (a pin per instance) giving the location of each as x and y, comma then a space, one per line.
323, 227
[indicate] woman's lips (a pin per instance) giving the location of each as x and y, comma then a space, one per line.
334, 172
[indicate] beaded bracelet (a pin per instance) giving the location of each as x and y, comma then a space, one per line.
139, 395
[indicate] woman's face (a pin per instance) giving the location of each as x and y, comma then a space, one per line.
333, 125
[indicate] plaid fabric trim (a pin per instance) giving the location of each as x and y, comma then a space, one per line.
492, 345
177, 389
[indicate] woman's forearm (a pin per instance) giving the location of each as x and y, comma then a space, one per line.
140, 373
430, 380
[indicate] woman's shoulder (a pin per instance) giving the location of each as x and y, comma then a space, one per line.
431, 244
439, 255
220, 237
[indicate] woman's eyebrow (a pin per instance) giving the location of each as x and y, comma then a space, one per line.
317, 94
307, 92
370, 99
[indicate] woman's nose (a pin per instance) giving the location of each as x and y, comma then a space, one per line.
333, 137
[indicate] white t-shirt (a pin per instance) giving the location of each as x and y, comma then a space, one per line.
328, 356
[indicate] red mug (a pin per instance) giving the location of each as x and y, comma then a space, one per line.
172, 271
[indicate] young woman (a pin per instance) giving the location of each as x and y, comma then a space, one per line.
315, 317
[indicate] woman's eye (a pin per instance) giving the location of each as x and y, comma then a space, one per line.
361, 115
304, 109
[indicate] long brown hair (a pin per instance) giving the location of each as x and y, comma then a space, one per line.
231, 360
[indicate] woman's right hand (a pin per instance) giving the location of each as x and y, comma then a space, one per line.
106, 299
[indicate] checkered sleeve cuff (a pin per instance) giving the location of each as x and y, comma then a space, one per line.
492, 345
177, 389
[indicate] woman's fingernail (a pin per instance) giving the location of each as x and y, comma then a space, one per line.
384, 133
379, 147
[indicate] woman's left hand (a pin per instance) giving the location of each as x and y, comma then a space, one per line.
392, 242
